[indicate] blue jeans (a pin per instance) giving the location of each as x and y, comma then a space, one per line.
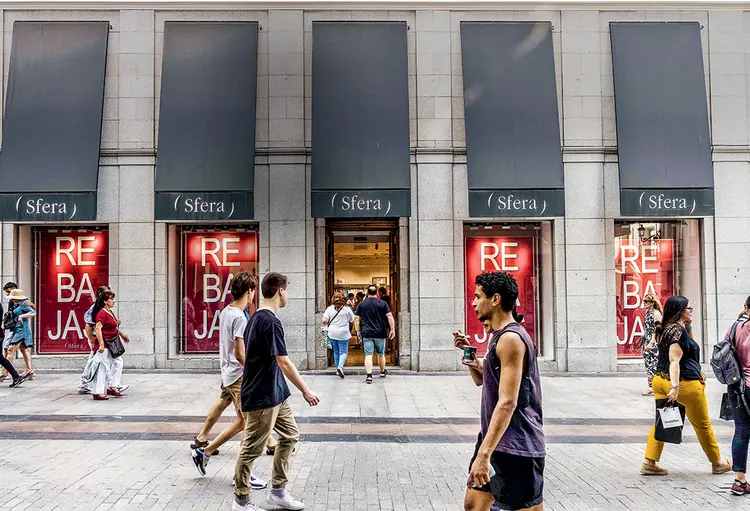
741, 438
340, 352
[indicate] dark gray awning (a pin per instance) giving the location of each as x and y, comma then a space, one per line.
206, 154
360, 120
512, 126
49, 163
662, 120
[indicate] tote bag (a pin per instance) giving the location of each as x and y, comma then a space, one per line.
668, 432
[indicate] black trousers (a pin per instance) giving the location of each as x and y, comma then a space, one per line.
8, 366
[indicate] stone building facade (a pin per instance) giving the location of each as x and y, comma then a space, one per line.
577, 291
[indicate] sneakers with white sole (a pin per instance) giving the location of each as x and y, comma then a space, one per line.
285, 502
257, 483
236, 506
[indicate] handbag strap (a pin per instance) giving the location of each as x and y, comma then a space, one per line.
334, 317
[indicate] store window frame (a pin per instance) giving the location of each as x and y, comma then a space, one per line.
698, 302
176, 245
544, 273
28, 270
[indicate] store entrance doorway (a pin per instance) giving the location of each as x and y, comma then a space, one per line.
359, 254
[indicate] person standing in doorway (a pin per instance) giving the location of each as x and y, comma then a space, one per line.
648, 343
232, 323
264, 397
383, 295
679, 379
374, 323
338, 318
22, 339
507, 469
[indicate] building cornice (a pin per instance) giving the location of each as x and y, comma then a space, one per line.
632, 5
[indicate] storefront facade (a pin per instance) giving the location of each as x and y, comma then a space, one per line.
391, 147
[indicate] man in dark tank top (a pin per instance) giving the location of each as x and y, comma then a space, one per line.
507, 468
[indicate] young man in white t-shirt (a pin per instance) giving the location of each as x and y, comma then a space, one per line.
232, 322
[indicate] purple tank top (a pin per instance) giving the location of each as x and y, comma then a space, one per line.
525, 433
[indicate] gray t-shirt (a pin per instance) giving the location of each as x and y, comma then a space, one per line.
232, 324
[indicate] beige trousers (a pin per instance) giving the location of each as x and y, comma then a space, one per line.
258, 427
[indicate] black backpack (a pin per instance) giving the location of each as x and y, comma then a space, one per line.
9, 320
724, 360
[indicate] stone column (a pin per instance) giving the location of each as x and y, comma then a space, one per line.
289, 228
588, 264
728, 34
132, 242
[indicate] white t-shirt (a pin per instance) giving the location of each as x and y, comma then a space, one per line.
338, 328
231, 324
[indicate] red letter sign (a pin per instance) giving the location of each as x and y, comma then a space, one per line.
514, 255
640, 269
211, 259
72, 265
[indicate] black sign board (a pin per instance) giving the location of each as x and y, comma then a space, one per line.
204, 205
667, 203
516, 203
206, 156
360, 120
361, 204
663, 143
48, 207
513, 151
49, 164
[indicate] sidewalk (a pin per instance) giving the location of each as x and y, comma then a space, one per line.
402, 443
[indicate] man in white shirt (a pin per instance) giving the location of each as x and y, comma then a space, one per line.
232, 322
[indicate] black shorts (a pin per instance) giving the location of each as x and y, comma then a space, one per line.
518, 482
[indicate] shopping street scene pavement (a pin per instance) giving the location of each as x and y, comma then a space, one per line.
403, 443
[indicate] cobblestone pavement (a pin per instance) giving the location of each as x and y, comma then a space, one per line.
403, 443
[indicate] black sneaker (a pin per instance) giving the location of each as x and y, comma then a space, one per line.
200, 459
340, 372
368, 380
383, 373
18, 382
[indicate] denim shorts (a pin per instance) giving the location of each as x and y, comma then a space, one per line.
373, 345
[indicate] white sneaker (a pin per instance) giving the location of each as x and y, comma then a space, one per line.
246, 507
256, 483
285, 502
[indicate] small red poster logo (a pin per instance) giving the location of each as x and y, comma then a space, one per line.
640, 269
72, 265
211, 260
514, 255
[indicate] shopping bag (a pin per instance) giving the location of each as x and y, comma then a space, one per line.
670, 418
92, 366
726, 412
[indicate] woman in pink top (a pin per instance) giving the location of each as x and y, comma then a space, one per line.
741, 438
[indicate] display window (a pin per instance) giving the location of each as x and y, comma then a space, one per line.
659, 258
524, 251
210, 258
71, 265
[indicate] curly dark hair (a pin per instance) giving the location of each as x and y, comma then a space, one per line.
499, 283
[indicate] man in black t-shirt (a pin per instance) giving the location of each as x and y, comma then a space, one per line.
374, 322
264, 395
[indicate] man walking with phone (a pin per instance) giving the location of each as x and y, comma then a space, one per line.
373, 322
264, 396
508, 464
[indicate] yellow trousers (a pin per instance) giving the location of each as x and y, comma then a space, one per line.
692, 396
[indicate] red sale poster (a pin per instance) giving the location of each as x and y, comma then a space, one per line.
640, 269
72, 265
211, 259
514, 255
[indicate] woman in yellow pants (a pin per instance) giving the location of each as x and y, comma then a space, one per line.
679, 378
